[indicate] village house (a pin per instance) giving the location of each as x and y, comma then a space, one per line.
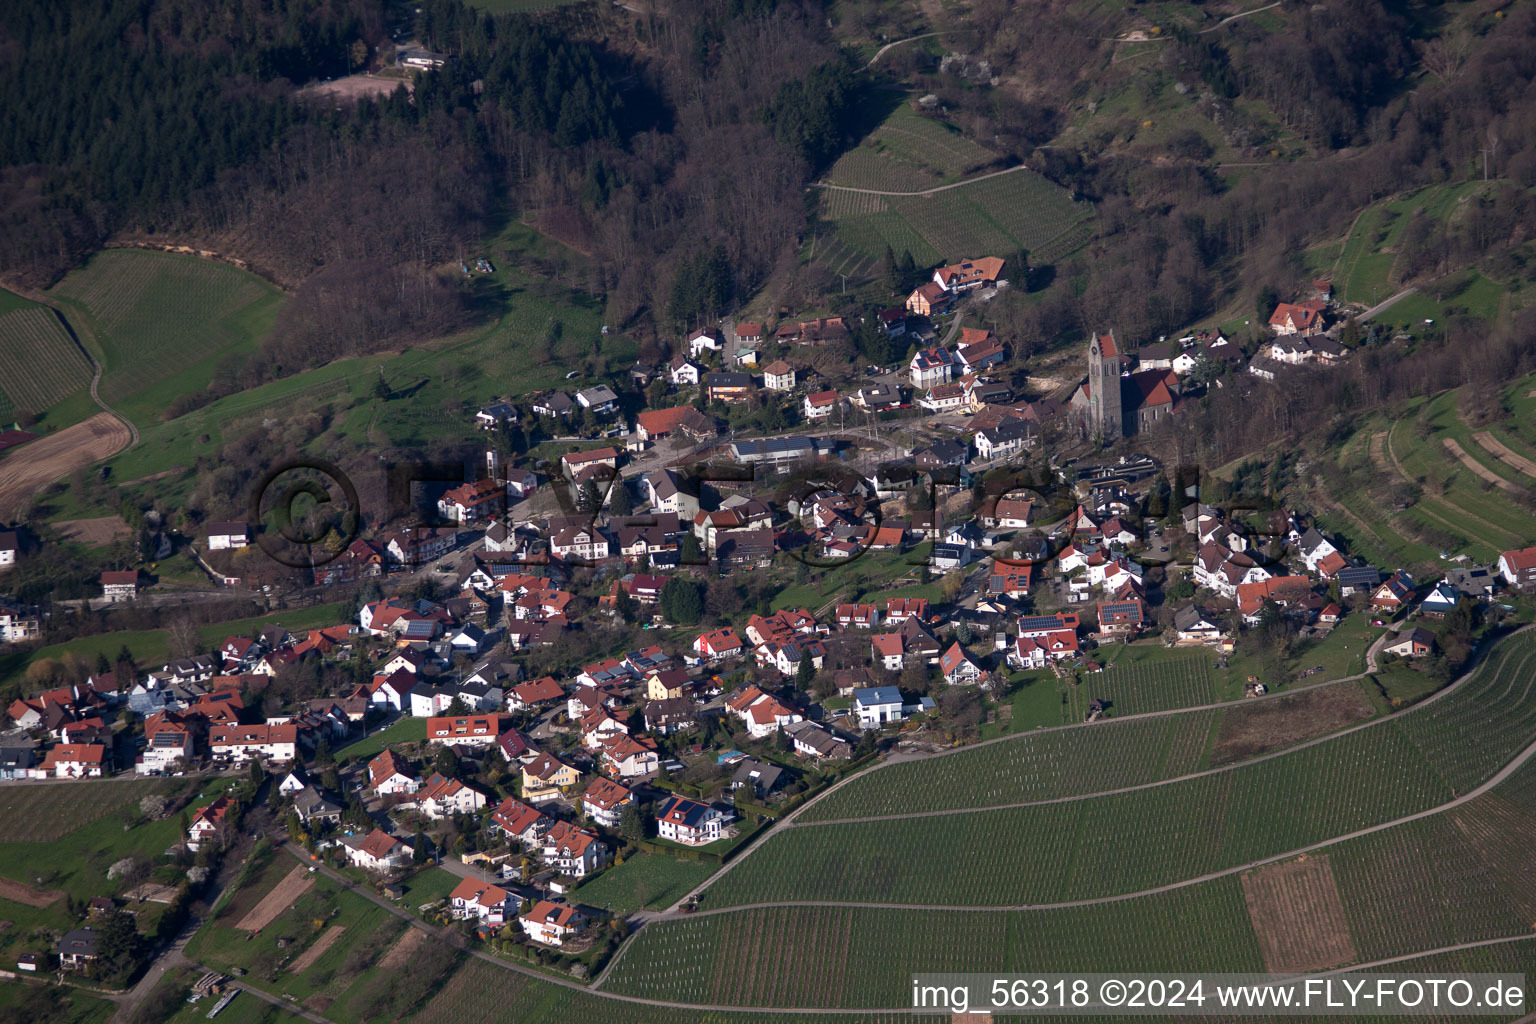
599, 400
475, 502
928, 299
812, 740
877, 706
441, 797
1415, 643
729, 386
572, 851
681, 372
683, 420
1517, 568
552, 923
520, 823
241, 743
689, 822
475, 900
390, 775
705, 339
718, 644
119, 586
930, 367
1193, 625
464, 730
1298, 318
821, 404
544, 777
604, 802
378, 851
779, 376
958, 668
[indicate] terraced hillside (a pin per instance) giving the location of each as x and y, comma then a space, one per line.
1434, 476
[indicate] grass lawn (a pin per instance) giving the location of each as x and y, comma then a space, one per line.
403, 731
1037, 702
867, 578
243, 1009
433, 883
644, 880
1399, 685
57, 1004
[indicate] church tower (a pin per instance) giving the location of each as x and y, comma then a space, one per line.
1104, 418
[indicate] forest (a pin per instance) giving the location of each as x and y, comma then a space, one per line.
674, 148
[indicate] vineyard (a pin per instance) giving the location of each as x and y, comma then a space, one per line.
865, 957
481, 993
884, 172
998, 215
1443, 880
163, 320
1138, 687
1034, 766
40, 363
926, 142
35, 813
1088, 848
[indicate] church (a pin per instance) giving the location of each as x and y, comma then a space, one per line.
1116, 401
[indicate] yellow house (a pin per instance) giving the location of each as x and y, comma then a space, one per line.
667, 685
544, 778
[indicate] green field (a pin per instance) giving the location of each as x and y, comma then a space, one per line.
864, 957
1476, 509
1365, 270
40, 364
404, 731
344, 973
1129, 841
1145, 678
162, 321
446, 378
54, 1003
34, 813
644, 880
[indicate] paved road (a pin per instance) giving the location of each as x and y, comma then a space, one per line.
925, 192
910, 39
1374, 310
790, 820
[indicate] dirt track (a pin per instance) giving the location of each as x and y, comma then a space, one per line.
272, 905
1502, 452
103, 530
1476, 467
18, 892
317, 949
32, 467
